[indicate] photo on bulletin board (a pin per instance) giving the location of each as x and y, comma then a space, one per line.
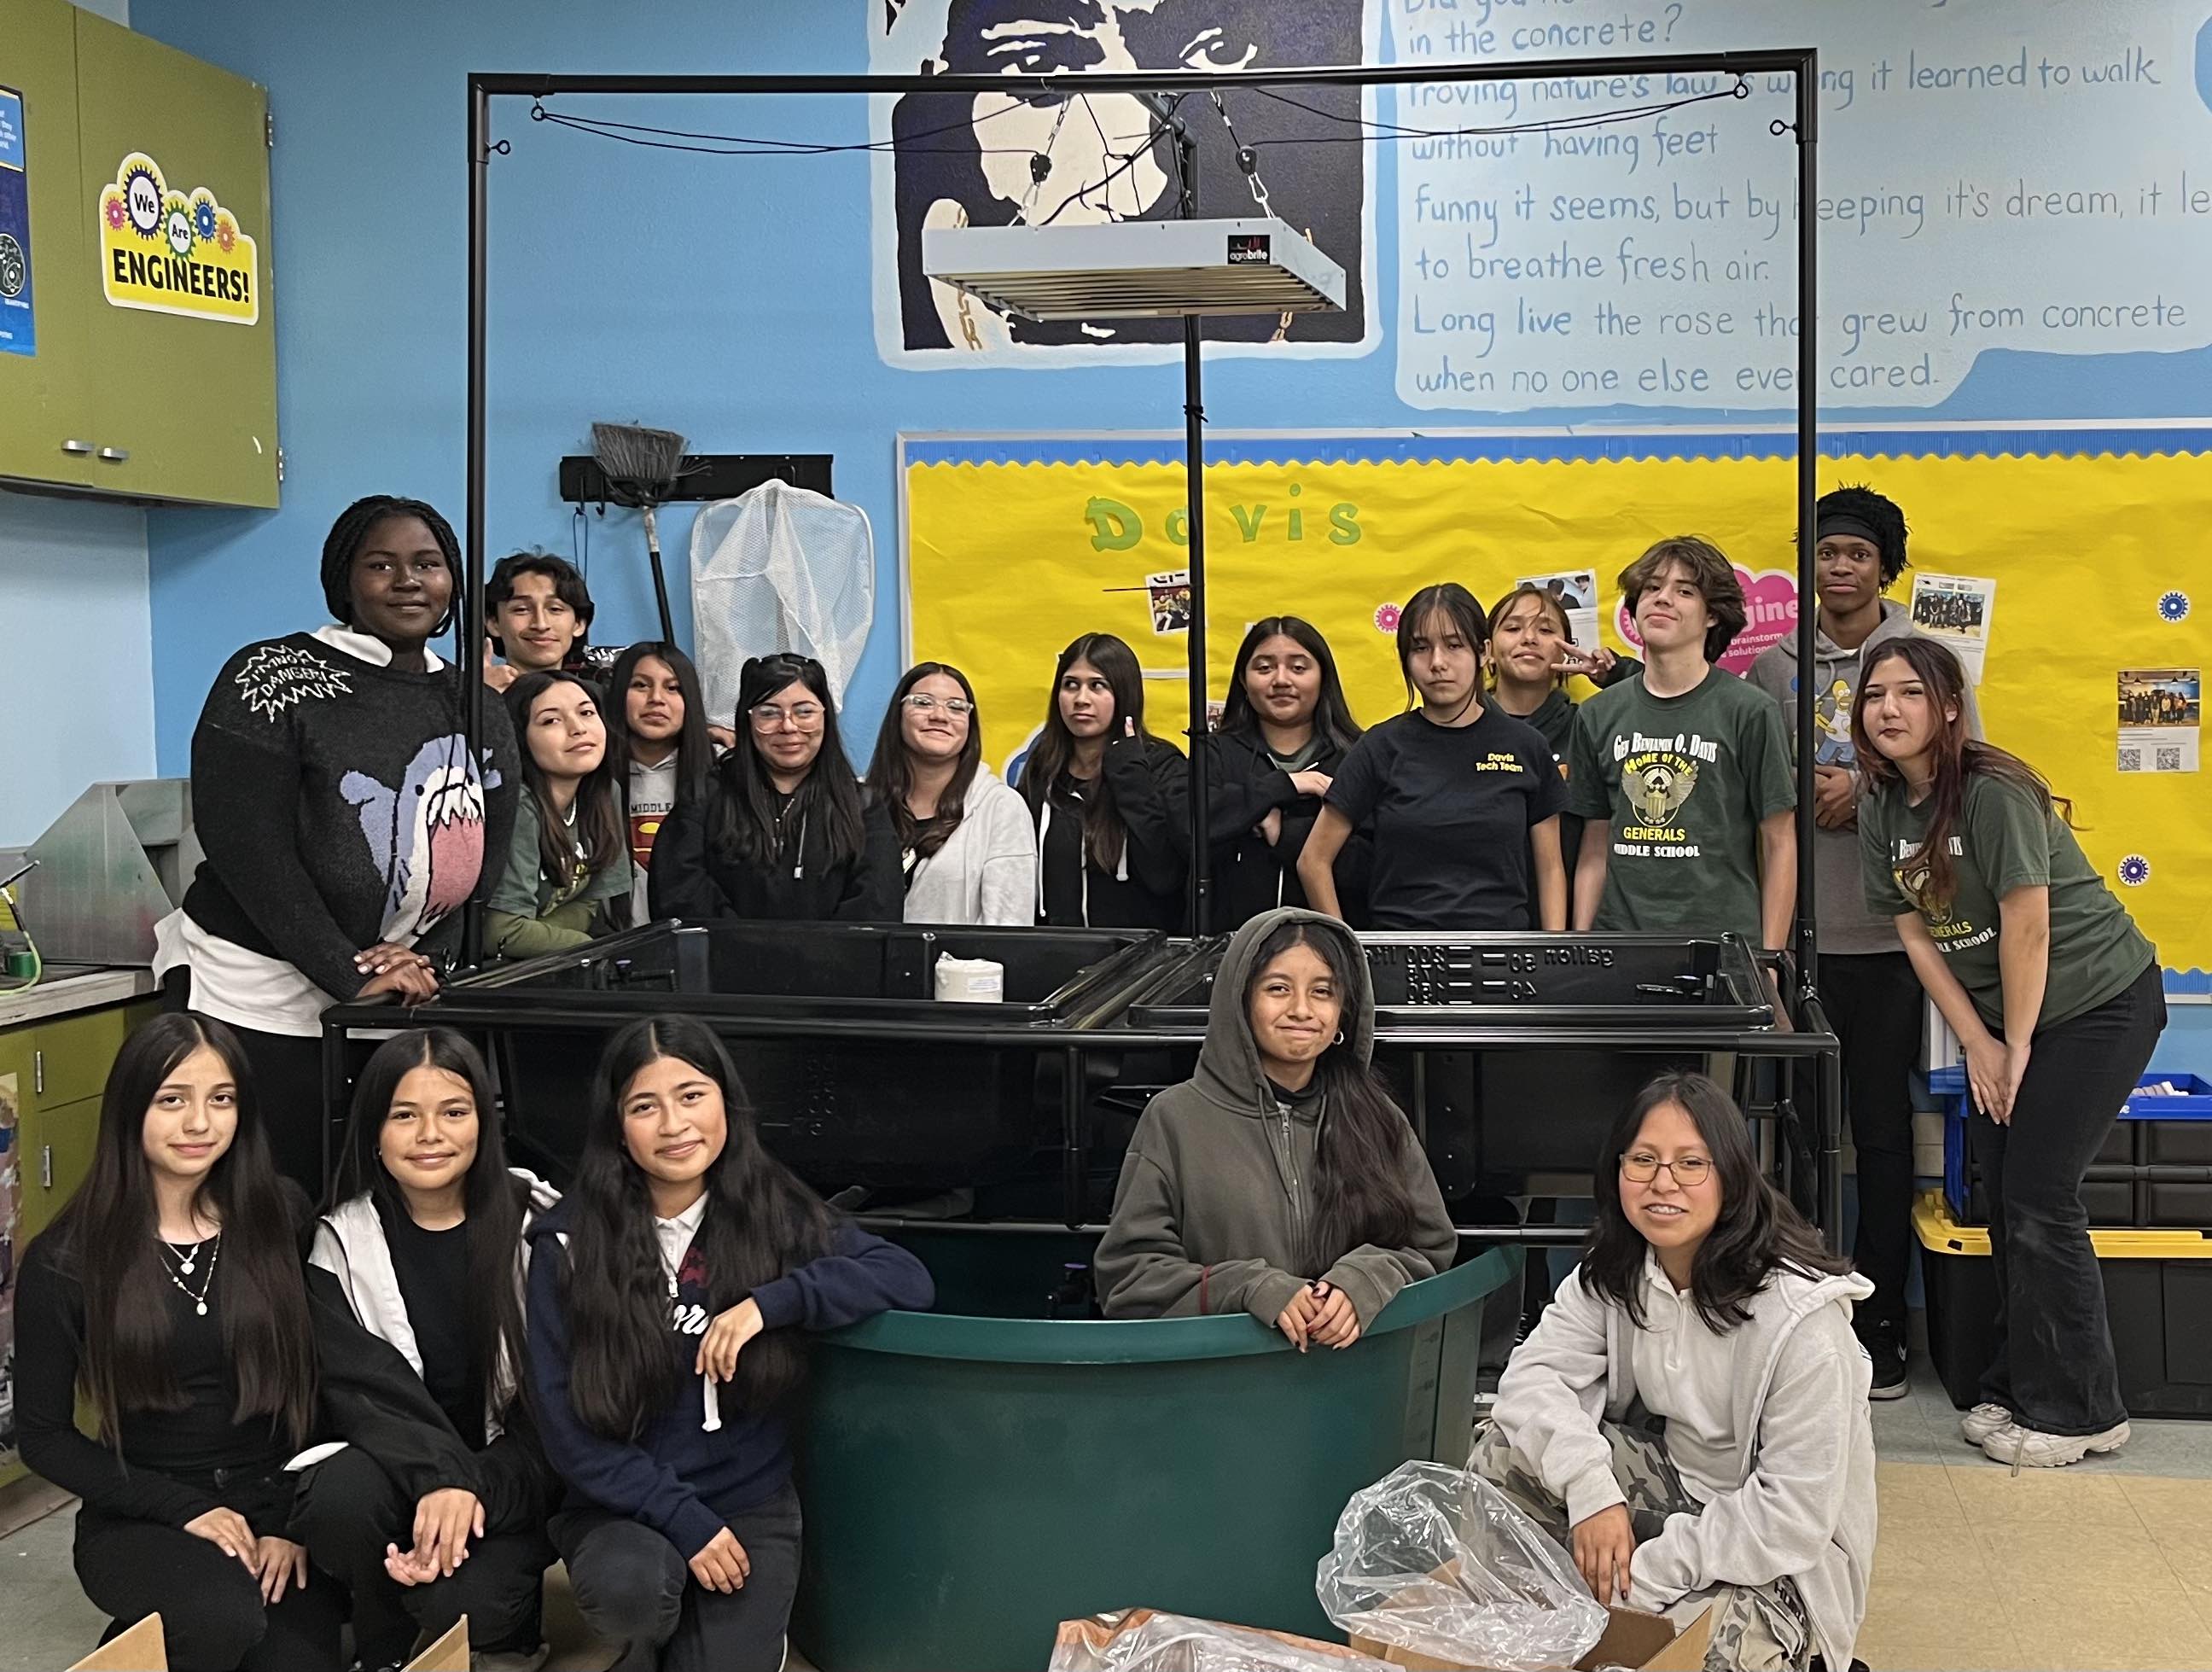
1956, 609
2160, 713
1576, 592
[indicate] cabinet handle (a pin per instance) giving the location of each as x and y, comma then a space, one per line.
37, 1074
115, 455
47, 1169
77, 446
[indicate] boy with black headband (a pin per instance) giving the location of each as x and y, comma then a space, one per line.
1872, 996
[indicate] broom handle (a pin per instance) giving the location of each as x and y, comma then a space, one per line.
660, 579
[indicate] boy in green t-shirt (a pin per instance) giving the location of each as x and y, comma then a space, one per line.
1683, 772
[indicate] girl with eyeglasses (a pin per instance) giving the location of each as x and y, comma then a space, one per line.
780, 832
1704, 1300
1111, 800
964, 837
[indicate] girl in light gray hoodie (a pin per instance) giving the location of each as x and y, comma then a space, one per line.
1281, 1180
965, 845
1702, 1299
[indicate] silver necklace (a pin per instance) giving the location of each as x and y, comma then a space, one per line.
187, 1264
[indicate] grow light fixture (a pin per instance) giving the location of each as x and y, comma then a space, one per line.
1137, 269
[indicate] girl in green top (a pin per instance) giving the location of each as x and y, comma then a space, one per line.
568, 867
2056, 1000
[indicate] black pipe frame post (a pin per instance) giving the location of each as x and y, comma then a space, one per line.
1802, 64
472, 631
1193, 465
1808, 443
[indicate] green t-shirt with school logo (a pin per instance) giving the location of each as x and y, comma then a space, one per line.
1684, 782
2006, 840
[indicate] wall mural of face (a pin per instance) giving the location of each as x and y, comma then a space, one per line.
969, 162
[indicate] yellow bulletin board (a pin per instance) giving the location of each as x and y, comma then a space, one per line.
2101, 560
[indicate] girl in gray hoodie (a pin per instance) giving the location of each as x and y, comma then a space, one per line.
1702, 1299
1281, 1180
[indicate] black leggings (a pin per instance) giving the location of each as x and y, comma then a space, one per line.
1873, 1000
212, 1614
2052, 1363
349, 1508
636, 1589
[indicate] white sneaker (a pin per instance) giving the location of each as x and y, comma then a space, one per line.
2030, 1448
1983, 1420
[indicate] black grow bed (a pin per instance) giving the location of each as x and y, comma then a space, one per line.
861, 1076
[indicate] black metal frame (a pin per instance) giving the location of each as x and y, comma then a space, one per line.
1802, 63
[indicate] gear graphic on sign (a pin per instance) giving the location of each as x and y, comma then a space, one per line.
204, 219
1386, 618
2135, 870
179, 229
142, 201
15, 272
225, 234
117, 216
2174, 607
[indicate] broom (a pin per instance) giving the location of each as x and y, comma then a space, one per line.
641, 467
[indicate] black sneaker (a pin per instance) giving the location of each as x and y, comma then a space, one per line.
1885, 1345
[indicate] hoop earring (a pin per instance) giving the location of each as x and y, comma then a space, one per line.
1339, 1040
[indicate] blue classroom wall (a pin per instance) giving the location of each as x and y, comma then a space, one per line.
728, 298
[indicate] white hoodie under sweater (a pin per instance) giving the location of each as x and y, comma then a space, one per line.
987, 871
350, 1245
1774, 1438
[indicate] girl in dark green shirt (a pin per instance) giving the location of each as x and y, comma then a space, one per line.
2057, 1000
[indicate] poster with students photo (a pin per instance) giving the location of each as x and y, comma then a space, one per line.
952, 162
1956, 609
2161, 712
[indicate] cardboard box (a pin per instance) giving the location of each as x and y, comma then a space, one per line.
1648, 1642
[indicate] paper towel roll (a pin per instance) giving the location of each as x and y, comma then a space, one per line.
969, 981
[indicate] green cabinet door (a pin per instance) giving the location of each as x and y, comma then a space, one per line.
180, 335
56, 1142
45, 401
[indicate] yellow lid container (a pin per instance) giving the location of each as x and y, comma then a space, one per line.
1940, 1234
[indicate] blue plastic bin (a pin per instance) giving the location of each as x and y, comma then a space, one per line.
2150, 1132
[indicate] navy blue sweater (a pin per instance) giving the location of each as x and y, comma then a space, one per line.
676, 1478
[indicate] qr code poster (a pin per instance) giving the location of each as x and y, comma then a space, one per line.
2160, 714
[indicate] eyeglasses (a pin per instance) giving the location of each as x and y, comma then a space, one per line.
768, 716
923, 702
1688, 1170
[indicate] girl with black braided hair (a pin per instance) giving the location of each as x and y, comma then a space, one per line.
344, 821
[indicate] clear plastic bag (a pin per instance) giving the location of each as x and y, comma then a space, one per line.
1141, 1640
1436, 1560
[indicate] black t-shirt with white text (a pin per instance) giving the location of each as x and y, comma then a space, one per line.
1451, 807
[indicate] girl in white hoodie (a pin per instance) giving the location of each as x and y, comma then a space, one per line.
1702, 1299
964, 841
424, 1239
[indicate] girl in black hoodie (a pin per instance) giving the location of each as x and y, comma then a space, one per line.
668, 1291
780, 832
1285, 729
1111, 801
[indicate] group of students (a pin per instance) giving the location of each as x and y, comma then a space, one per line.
345, 823
402, 1410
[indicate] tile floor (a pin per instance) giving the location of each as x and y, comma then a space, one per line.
2107, 1565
